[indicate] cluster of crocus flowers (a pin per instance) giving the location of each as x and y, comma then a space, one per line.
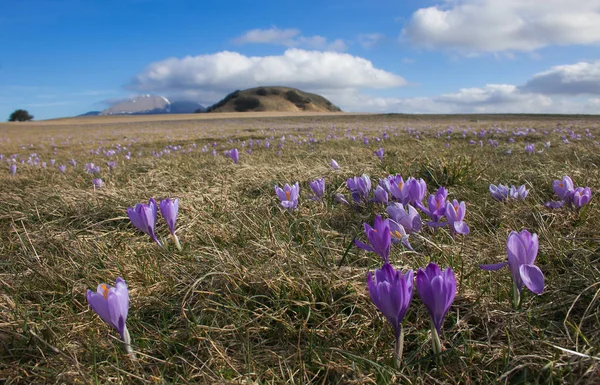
112, 305
522, 249
569, 194
503, 193
288, 195
143, 216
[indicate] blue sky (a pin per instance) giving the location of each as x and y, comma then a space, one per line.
66, 57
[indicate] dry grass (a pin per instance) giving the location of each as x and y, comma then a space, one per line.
260, 295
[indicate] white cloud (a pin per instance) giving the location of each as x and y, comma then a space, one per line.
289, 37
471, 26
368, 40
573, 79
208, 78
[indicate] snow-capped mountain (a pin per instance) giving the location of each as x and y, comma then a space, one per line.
150, 104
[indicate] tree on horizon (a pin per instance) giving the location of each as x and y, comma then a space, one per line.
20, 116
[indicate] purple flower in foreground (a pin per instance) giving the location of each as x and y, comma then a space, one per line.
455, 214
340, 198
381, 196
143, 216
288, 195
407, 216
112, 305
399, 189
169, 210
12, 169
379, 237
318, 187
399, 234
417, 189
391, 291
519, 193
522, 249
581, 196
436, 206
437, 290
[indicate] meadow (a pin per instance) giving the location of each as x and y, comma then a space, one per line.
261, 294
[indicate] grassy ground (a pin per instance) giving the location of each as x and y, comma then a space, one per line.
261, 295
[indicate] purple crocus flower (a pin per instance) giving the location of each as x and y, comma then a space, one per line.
62, 168
564, 188
399, 234
359, 187
581, 196
379, 237
530, 148
12, 169
417, 189
112, 305
379, 153
340, 198
334, 165
318, 187
235, 155
399, 189
288, 195
522, 249
381, 196
455, 214
169, 210
391, 291
436, 206
519, 193
406, 216
499, 192
98, 182
437, 290
143, 216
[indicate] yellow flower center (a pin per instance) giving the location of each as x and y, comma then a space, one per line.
288, 195
105, 291
400, 184
396, 234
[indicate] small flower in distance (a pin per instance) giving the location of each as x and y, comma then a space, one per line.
334, 165
318, 188
12, 169
288, 195
97, 182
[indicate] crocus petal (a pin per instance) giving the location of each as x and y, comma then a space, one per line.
363, 246
461, 227
532, 277
99, 304
493, 266
554, 204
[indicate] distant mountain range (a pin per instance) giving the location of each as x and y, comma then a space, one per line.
149, 105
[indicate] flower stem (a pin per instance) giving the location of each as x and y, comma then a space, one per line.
516, 296
435, 340
399, 348
177, 244
127, 343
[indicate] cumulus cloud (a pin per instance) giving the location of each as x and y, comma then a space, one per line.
289, 37
207, 76
472, 26
573, 79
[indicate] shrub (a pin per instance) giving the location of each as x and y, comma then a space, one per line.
261, 92
227, 98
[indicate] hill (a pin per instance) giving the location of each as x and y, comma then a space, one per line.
283, 99
149, 105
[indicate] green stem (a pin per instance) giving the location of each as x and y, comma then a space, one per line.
435, 340
399, 348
